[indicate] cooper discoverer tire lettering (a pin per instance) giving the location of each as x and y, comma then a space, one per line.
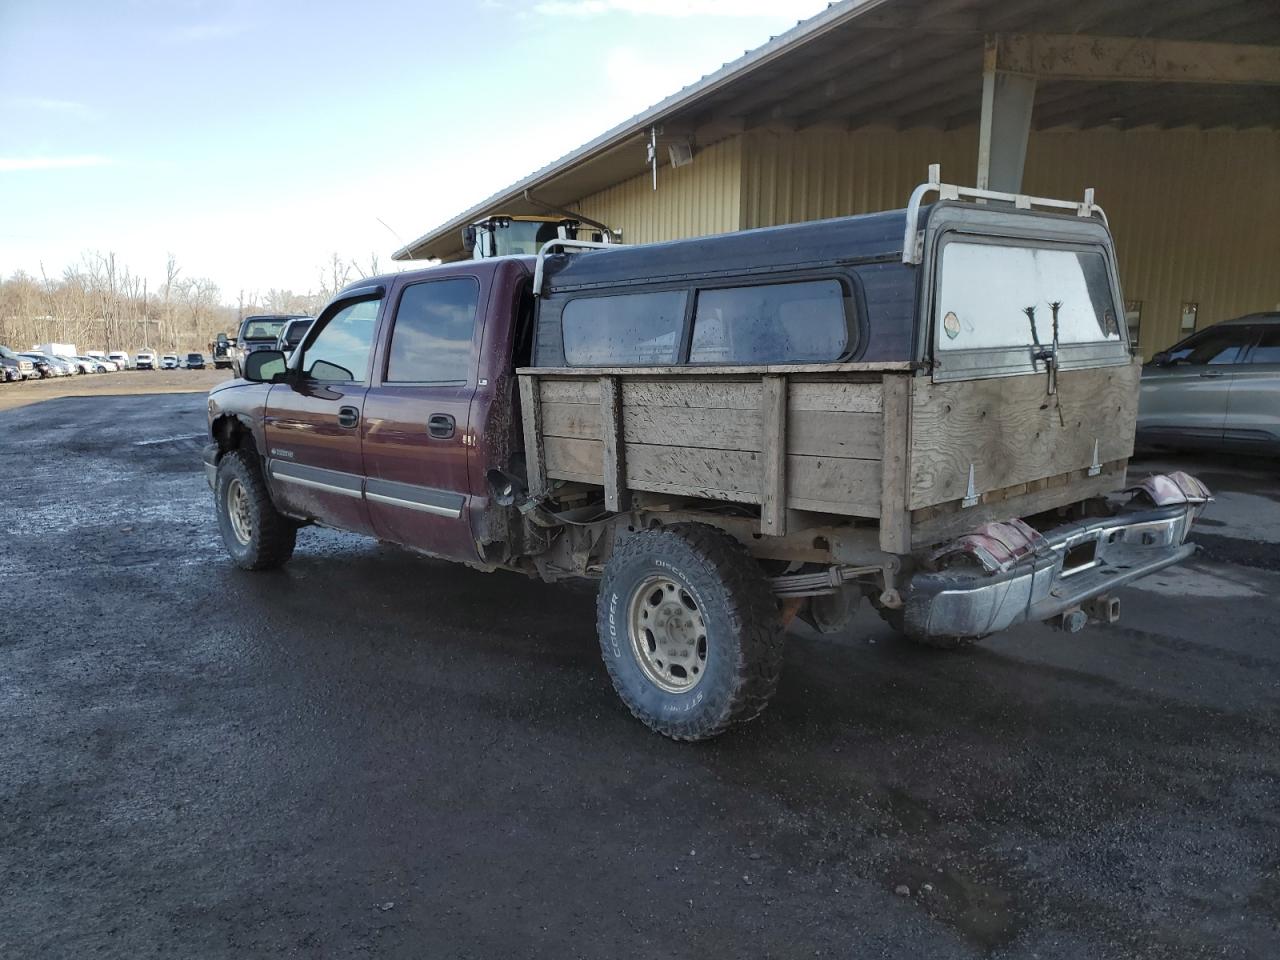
689, 631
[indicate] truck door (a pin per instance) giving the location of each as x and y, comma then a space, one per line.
416, 428
1184, 396
312, 424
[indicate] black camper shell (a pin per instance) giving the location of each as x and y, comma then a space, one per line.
888, 301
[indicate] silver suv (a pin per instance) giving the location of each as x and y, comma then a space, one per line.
1217, 389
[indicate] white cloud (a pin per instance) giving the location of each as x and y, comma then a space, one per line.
11, 164
659, 8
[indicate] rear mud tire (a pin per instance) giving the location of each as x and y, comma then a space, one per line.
733, 652
257, 536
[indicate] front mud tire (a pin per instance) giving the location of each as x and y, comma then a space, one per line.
257, 536
689, 631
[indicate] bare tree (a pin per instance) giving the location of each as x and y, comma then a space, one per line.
100, 303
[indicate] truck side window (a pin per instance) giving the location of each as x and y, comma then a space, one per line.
431, 339
340, 351
771, 323
630, 328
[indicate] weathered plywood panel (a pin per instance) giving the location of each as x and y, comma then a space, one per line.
613, 451
708, 438
773, 455
810, 432
531, 414
834, 485
717, 474
930, 528
836, 397
575, 420
709, 394
1013, 432
895, 518
827, 484
584, 390
568, 459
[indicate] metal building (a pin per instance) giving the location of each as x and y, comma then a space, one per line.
1169, 109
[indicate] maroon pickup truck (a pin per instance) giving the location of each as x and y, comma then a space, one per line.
930, 411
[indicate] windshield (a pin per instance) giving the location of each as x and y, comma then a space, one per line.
1000, 295
520, 237
7, 353
263, 329
195, 356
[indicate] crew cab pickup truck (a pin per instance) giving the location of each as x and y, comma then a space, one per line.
929, 410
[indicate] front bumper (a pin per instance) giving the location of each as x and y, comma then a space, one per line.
1060, 573
210, 455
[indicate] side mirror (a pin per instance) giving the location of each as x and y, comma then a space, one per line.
264, 366
469, 238
1161, 359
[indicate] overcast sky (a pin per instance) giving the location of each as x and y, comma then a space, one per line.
252, 140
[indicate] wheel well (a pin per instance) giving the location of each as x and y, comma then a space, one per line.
231, 433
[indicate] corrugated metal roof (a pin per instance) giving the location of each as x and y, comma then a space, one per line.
907, 63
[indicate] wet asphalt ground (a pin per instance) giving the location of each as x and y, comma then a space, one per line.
374, 754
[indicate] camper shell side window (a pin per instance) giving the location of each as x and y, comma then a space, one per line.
797, 318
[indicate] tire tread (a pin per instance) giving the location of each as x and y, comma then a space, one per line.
274, 535
753, 616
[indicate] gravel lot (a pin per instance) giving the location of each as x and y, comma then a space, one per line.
374, 754
122, 382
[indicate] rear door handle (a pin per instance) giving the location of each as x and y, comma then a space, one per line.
440, 426
348, 416
1211, 373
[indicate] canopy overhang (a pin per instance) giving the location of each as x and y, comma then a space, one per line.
940, 63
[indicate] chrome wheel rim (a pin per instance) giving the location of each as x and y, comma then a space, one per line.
668, 635
238, 512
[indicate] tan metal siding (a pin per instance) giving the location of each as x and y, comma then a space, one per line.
1196, 214
694, 200
819, 173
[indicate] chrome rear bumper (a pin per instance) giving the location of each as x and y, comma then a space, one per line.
1058, 573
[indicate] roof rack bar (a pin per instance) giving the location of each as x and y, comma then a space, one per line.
913, 237
564, 245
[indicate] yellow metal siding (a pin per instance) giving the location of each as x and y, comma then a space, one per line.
1196, 214
819, 173
691, 201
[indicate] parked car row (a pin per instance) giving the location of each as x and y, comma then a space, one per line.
43, 364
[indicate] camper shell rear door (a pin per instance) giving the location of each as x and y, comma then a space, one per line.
986, 265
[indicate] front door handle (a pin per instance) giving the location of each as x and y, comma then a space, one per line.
440, 426
1211, 373
348, 416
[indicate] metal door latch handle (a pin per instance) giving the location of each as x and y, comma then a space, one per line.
348, 416
440, 426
